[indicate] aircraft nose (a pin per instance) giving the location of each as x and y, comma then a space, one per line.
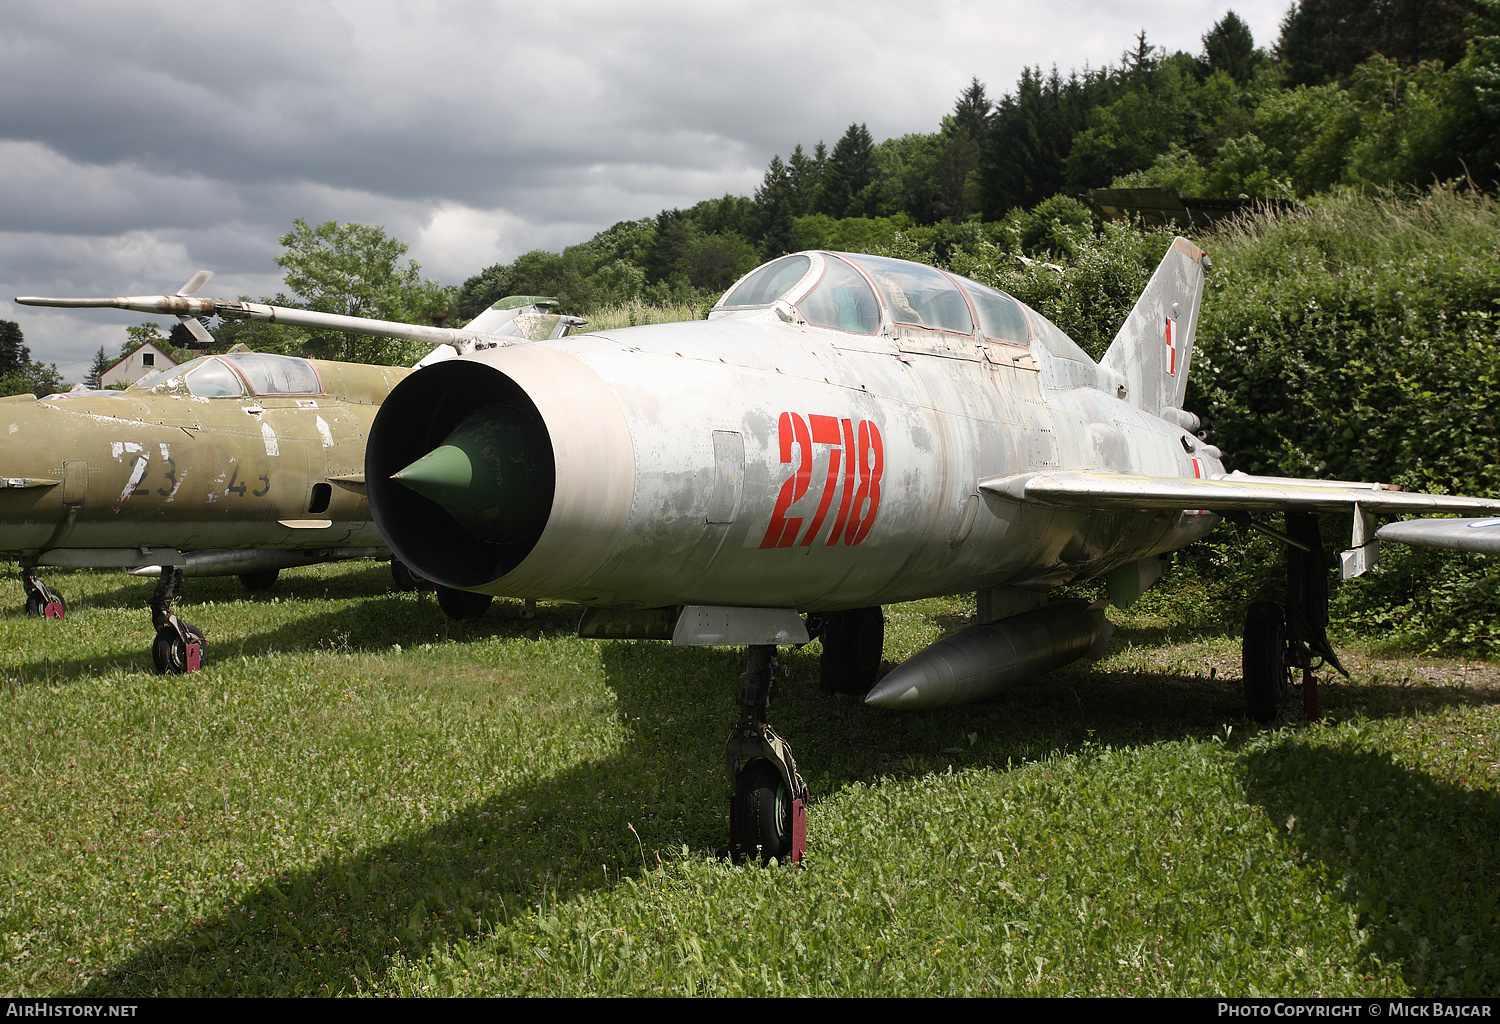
493, 474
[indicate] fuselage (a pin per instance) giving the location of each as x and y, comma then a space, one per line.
167, 468
755, 459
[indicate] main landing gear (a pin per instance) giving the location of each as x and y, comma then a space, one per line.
853, 642
41, 600
1278, 643
178, 646
768, 808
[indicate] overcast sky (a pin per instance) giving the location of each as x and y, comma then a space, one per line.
141, 140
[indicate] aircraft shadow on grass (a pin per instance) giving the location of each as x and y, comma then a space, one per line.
1417, 857
337, 925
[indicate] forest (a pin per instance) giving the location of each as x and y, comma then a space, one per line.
1363, 94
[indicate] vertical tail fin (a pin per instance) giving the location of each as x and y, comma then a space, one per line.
1154, 348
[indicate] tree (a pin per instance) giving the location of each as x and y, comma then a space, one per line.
32, 379
1325, 40
13, 354
805, 178
774, 198
1230, 47
18, 374
101, 364
848, 175
356, 270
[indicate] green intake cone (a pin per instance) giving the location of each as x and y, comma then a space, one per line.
493, 474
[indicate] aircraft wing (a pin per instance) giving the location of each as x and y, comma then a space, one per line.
1481, 535
1233, 492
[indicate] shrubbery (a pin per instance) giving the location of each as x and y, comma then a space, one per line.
1355, 338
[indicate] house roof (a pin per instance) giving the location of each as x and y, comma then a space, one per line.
129, 355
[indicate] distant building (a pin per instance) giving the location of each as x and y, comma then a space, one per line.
143, 359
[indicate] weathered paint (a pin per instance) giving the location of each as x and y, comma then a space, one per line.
863, 456
159, 467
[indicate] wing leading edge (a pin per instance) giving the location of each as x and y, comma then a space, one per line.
1238, 494
1232, 492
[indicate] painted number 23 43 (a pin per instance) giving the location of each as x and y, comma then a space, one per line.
854, 451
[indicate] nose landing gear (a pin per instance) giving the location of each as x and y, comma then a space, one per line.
178, 646
768, 807
41, 600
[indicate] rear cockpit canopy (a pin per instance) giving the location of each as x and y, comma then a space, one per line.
532, 317
237, 374
853, 293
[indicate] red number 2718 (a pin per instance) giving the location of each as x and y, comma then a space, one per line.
854, 451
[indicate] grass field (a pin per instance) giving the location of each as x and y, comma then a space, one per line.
357, 797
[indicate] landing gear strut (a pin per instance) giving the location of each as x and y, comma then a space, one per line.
42, 600
1275, 646
178, 646
768, 808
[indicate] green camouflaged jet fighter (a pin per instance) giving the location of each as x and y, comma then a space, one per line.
241, 451
244, 463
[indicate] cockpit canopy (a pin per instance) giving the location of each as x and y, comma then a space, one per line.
847, 292
237, 374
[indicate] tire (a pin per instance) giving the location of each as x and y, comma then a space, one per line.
762, 812
1263, 661
853, 643
169, 653
49, 603
404, 579
254, 581
462, 605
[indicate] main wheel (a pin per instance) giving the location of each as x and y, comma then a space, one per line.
462, 604
404, 579
762, 812
1263, 660
853, 642
253, 581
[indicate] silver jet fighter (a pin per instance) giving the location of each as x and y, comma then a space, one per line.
845, 432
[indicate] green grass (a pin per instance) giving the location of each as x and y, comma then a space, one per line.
357, 797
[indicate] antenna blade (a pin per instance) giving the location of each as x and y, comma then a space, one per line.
195, 282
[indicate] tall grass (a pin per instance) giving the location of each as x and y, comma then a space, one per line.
635, 313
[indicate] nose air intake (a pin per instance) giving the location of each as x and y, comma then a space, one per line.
493, 474
460, 473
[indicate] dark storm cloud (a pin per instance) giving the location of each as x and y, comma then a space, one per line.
141, 140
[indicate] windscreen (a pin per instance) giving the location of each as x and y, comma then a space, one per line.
770, 282
214, 380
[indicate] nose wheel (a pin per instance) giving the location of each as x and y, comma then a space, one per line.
178, 646
42, 601
177, 649
768, 807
